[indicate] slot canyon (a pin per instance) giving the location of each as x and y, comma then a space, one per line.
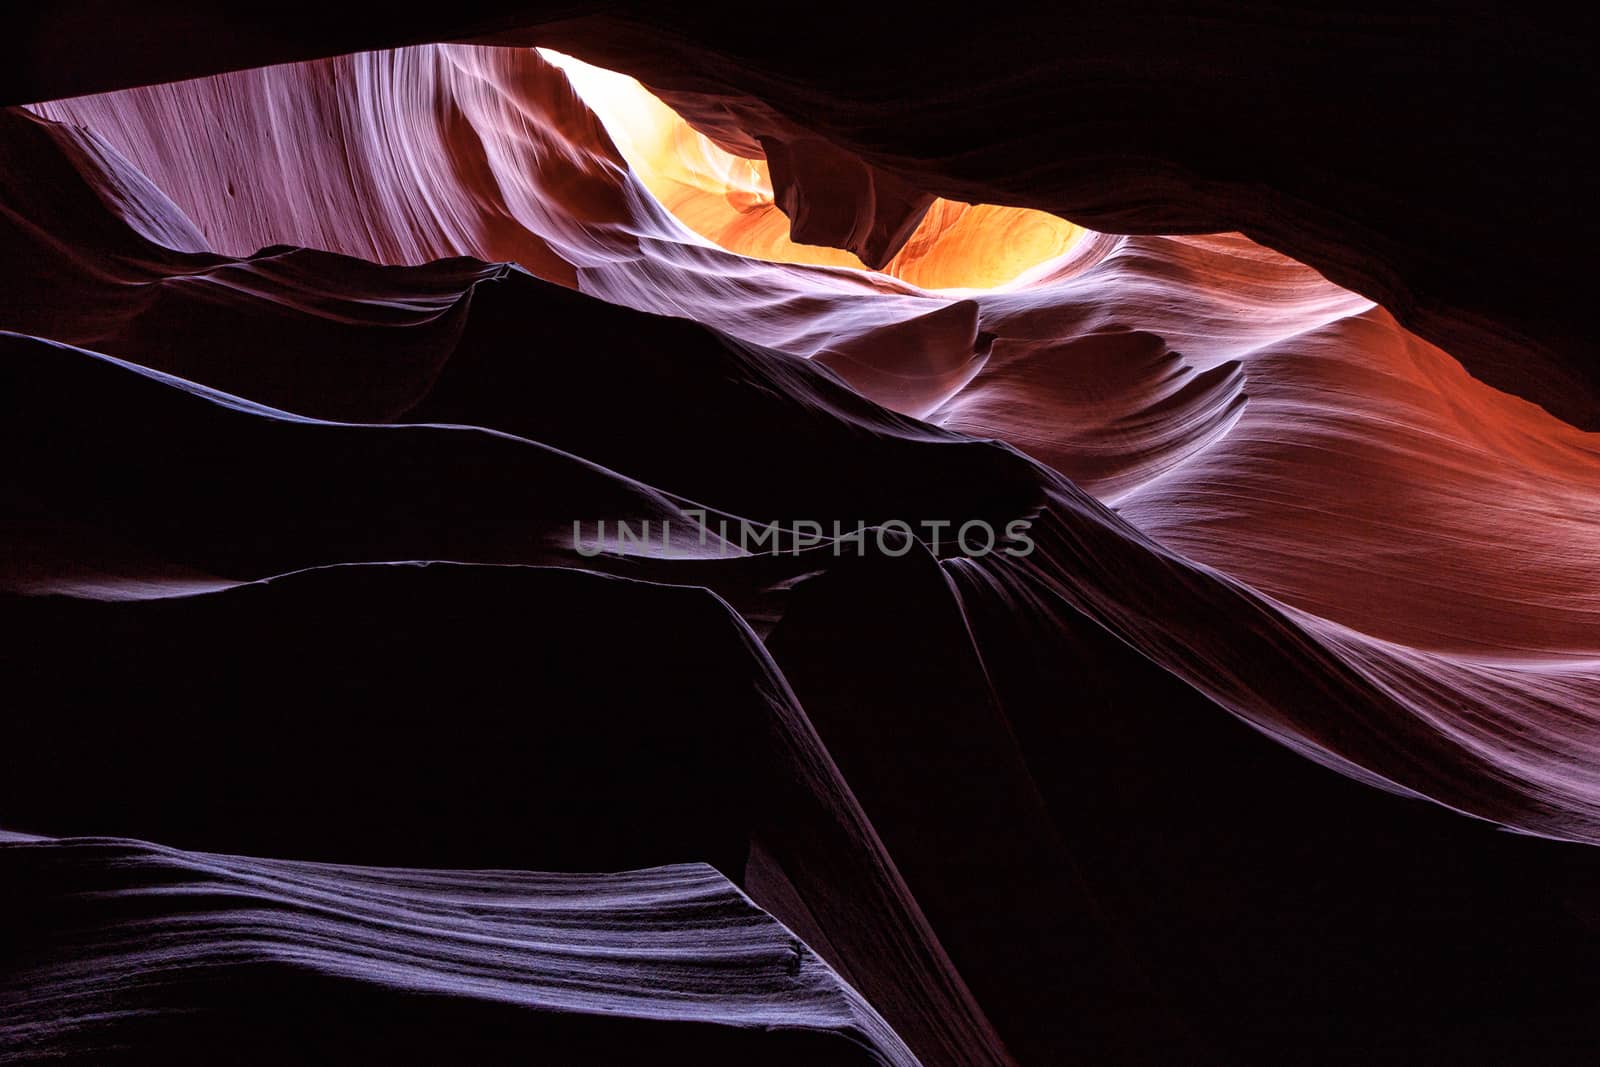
593, 534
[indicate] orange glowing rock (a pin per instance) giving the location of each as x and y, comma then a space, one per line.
729, 199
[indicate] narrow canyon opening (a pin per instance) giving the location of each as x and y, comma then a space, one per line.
729, 199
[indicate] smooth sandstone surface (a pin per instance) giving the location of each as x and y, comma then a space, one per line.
315, 367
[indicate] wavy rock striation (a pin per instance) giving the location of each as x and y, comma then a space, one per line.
124, 951
315, 368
